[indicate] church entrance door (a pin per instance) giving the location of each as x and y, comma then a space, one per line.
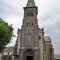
29, 54
29, 57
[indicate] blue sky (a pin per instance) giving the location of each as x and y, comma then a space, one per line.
48, 17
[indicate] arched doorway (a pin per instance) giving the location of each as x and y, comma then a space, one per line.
28, 54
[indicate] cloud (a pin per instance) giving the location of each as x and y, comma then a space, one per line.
10, 12
48, 17
50, 20
51, 24
7, 7
16, 22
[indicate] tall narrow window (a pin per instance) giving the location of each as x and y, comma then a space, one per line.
32, 24
28, 13
39, 37
8, 53
31, 12
29, 37
27, 24
4, 58
10, 58
20, 38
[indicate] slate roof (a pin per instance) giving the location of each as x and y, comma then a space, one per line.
9, 48
47, 38
57, 56
30, 3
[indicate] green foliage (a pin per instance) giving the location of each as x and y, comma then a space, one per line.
17, 58
6, 33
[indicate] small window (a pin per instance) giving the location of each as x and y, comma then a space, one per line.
9, 58
28, 13
39, 37
4, 58
27, 24
20, 38
31, 12
8, 53
32, 24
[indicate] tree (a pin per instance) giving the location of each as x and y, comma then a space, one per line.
6, 33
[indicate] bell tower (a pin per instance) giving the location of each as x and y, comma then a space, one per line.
30, 41
30, 11
31, 44
29, 32
30, 25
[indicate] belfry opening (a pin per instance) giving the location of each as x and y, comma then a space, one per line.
28, 54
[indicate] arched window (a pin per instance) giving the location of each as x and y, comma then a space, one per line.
27, 24
30, 37
28, 13
32, 24
39, 37
31, 12
8, 53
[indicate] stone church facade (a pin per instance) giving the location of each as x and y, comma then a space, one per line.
31, 43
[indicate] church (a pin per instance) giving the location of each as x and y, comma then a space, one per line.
31, 44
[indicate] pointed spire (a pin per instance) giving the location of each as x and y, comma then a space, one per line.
30, 3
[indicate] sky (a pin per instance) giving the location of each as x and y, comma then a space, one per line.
48, 17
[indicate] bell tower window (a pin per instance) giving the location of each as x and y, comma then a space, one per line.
31, 12
28, 13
